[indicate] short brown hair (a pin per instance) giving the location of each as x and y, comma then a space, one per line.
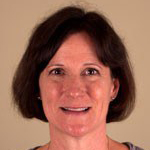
46, 40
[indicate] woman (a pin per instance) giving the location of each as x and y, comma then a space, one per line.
76, 75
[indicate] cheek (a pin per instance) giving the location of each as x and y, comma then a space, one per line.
50, 90
99, 95
50, 93
99, 89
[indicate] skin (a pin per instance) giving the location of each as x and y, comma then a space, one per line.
75, 78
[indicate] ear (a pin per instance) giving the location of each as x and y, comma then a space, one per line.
115, 88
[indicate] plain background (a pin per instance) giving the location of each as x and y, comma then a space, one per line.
130, 18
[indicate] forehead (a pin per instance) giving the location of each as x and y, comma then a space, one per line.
77, 46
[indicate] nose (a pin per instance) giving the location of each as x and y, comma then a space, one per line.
74, 88
75, 92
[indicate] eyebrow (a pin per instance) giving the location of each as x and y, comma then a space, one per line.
85, 64
95, 64
55, 65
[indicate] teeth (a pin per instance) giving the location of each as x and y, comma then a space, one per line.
76, 109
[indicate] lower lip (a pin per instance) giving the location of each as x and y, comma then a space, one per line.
75, 112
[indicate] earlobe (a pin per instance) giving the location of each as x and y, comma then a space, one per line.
39, 98
115, 88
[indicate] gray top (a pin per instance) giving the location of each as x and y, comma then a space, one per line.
132, 147
128, 144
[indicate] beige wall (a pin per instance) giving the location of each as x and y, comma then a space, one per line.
131, 18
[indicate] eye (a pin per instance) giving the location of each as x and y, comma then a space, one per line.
56, 71
91, 71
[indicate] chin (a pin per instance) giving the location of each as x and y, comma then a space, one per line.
76, 130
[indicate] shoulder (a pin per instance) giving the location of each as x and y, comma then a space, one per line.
42, 147
36, 148
114, 145
132, 147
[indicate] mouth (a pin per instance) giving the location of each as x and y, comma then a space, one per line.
74, 110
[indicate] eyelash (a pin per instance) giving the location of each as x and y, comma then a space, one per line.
94, 71
56, 69
62, 72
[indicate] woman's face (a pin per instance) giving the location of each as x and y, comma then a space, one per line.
76, 87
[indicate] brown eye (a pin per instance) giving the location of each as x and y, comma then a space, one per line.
91, 71
56, 71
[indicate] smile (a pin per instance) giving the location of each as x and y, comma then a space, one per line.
71, 109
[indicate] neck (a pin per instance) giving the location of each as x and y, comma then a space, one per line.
95, 140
